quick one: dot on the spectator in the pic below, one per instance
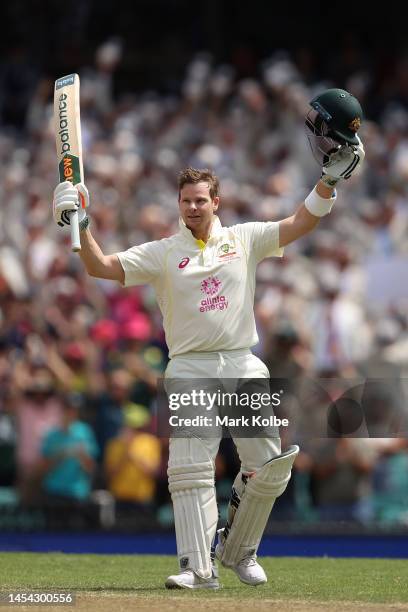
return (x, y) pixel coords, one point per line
(38, 410)
(68, 455)
(341, 474)
(133, 458)
(8, 444)
(316, 309)
(110, 404)
(390, 483)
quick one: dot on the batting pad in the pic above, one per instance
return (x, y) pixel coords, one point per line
(254, 509)
(191, 484)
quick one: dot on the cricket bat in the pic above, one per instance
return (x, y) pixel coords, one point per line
(67, 124)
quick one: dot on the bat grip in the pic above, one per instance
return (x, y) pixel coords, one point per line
(75, 239)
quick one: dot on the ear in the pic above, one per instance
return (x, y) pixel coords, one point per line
(216, 202)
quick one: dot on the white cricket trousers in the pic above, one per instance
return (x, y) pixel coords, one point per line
(241, 363)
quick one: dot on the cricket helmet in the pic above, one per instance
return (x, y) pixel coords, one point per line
(333, 121)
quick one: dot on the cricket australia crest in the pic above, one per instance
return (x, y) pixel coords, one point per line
(355, 124)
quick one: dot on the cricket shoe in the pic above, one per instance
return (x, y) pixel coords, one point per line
(189, 580)
(248, 570)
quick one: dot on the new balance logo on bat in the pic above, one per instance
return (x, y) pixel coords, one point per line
(63, 124)
(68, 171)
(69, 168)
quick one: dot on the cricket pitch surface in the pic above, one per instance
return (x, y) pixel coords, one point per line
(136, 582)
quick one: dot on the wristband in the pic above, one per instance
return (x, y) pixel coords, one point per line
(84, 223)
(318, 206)
(328, 180)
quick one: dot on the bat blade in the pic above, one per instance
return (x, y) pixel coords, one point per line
(67, 124)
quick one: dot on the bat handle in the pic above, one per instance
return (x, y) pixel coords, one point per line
(75, 239)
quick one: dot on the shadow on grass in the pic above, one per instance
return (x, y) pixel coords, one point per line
(224, 590)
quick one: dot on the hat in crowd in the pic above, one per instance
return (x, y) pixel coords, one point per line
(74, 351)
(137, 328)
(105, 332)
(136, 415)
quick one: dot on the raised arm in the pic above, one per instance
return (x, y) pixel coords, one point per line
(340, 165)
(303, 221)
(66, 199)
(96, 263)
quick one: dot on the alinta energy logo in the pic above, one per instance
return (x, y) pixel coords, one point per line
(211, 286)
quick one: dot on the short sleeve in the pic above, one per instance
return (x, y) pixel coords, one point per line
(48, 444)
(148, 448)
(142, 264)
(90, 442)
(260, 238)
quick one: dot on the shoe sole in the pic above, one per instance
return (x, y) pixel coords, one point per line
(176, 585)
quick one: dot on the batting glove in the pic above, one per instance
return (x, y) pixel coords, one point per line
(343, 163)
(69, 197)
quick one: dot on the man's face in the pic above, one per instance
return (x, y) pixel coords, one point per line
(196, 206)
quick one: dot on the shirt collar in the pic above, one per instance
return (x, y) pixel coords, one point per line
(215, 229)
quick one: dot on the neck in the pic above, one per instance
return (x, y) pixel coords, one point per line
(202, 233)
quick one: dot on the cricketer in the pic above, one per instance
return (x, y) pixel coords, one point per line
(204, 278)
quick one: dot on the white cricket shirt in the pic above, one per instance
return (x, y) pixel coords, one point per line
(205, 292)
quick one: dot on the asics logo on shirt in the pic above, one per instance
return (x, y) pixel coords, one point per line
(183, 262)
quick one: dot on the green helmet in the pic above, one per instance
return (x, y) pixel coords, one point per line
(341, 112)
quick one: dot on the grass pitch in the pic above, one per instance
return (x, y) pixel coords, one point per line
(126, 582)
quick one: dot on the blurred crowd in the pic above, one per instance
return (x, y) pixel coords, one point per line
(80, 358)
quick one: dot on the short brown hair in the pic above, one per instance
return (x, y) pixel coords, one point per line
(193, 176)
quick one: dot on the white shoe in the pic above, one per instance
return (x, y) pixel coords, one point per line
(189, 580)
(248, 570)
